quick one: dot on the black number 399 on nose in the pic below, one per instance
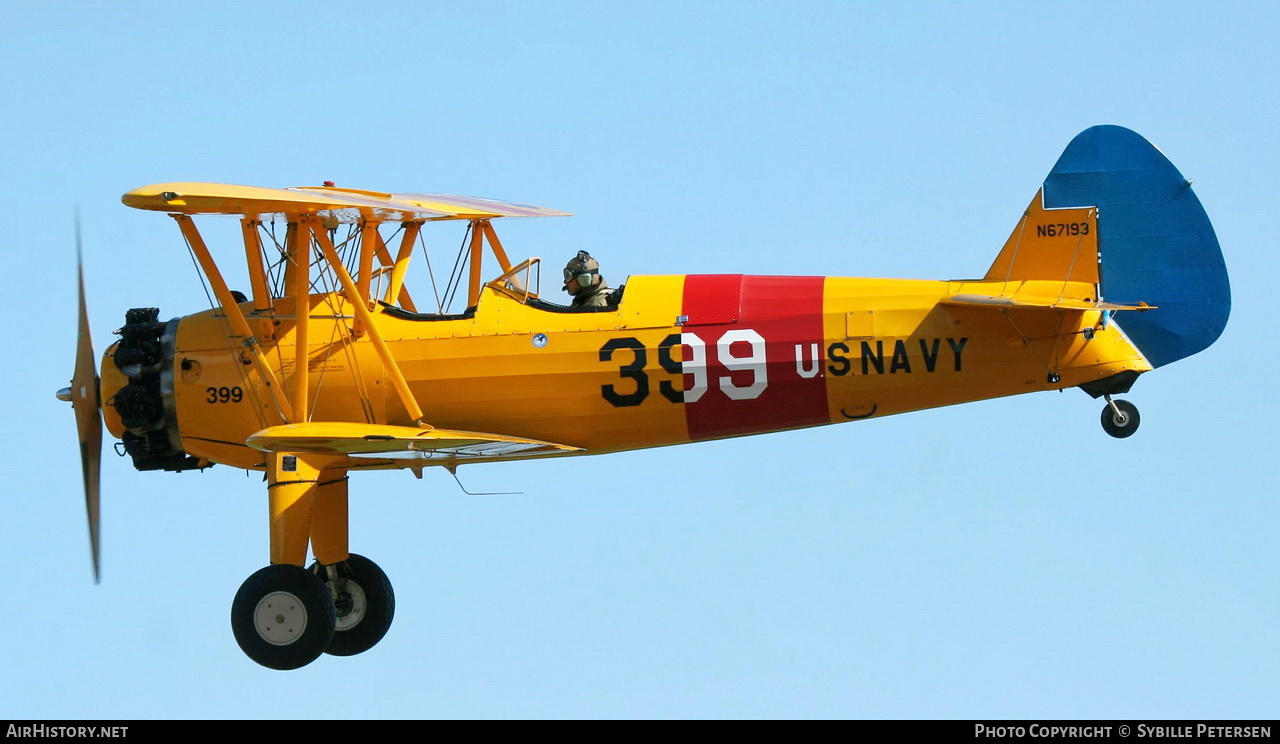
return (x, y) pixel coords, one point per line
(224, 394)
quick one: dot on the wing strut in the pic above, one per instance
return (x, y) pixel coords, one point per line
(262, 307)
(232, 311)
(313, 225)
(395, 288)
(298, 245)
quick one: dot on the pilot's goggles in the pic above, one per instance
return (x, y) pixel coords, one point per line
(571, 273)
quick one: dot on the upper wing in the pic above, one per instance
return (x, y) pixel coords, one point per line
(467, 206)
(345, 205)
(399, 442)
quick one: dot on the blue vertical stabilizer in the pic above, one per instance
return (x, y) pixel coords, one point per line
(1155, 241)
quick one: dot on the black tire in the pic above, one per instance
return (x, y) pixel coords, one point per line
(283, 617)
(1125, 423)
(365, 602)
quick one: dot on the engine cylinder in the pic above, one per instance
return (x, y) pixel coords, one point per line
(145, 404)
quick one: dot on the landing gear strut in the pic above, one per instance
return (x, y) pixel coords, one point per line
(1120, 418)
(285, 616)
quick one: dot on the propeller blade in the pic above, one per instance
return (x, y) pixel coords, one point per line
(84, 400)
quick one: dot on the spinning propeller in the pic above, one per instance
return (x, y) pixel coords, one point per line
(83, 396)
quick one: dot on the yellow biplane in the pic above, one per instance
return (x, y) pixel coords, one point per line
(331, 364)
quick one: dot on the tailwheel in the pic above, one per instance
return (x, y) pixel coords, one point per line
(1120, 418)
(283, 617)
(364, 602)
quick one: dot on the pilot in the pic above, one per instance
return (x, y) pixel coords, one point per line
(582, 280)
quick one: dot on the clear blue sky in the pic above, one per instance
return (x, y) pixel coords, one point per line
(1001, 559)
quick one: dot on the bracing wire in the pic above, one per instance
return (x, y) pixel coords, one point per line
(1013, 259)
(1075, 255)
(329, 285)
(426, 255)
(330, 293)
(459, 270)
(228, 334)
(349, 348)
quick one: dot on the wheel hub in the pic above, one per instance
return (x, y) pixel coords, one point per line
(351, 605)
(280, 618)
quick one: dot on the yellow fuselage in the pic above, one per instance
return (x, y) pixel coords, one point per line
(680, 359)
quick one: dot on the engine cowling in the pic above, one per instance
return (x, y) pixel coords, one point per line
(137, 393)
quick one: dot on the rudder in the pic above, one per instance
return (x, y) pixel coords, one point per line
(1155, 242)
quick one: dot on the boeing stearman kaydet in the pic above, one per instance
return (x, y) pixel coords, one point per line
(331, 363)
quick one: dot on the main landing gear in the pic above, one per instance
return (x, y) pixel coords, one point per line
(1120, 418)
(285, 616)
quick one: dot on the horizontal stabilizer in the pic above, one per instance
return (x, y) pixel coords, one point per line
(1064, 304)
(398, 442)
